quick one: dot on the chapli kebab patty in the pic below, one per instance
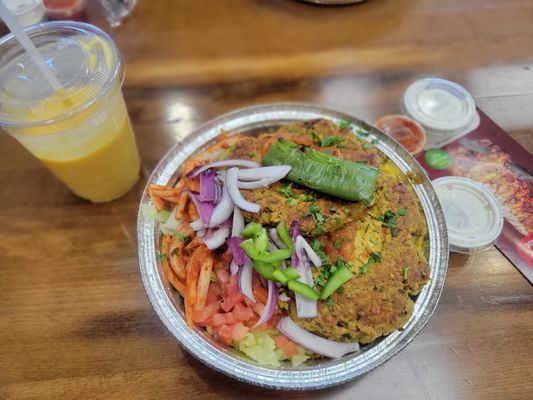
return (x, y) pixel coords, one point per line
(392, 232)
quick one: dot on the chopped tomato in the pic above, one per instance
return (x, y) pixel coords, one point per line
(205, 313)
(223, 319)
(222, 276)
(258, 308)
(238, 331)
(212, 294)
(290, 349)
(242, 313)
(224, 332)
(260, 294)
(230, 300)
(281, 340)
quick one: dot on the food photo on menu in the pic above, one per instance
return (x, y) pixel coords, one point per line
(247, 198)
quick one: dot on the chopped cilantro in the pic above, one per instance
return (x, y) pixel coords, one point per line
(330, 302)
(161, 256)
(405, 272)
(333, 209)
(337, 244)
(252, 154)
(184, 238)
(286, 190)
(291, 202)
(231, 149)
(373, 241)
(371, 144)
(316, 138)
(308, 196)
(340, 289)
(374, 258)
(346, 210)
(401, 211)
(362, 132)
(345, 124)
(338, 221)
(331, 141)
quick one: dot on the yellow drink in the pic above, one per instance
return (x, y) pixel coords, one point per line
(93, 153)
(83, 135)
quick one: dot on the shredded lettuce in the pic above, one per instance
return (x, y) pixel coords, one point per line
(149, 212)
(261, 347)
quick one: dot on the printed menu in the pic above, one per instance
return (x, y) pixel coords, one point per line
(491, 157)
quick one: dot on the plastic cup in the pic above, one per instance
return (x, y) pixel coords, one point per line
(83, 135)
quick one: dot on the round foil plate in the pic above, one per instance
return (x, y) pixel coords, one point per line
(316, 374)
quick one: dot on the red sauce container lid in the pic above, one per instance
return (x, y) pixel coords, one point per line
(405, 130)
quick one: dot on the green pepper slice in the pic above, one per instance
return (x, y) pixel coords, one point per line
(292, 273)
(339, 278)
(303, 289)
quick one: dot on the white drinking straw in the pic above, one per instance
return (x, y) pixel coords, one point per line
(30, 48)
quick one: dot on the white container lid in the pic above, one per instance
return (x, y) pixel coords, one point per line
(472, 213)
(26, 12)
(439, 105)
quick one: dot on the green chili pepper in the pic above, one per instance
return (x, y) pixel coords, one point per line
(292, 273)
(257, 234)
(323, 172)
(264, 269)
(275, 257)
(303, 289)
(339, 278)
(284, 234)
(280, 275)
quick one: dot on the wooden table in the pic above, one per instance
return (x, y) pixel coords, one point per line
(75, 322)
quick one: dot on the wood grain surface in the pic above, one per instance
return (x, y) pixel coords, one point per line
(75, 322)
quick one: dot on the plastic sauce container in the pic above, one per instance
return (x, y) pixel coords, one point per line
(65, 9)
(442, 107)
(83, 135)
(473, 215)
(26, 12)
(405, 130)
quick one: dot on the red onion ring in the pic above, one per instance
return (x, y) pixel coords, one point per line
(233, 190)
(314, 343)
(270, 305)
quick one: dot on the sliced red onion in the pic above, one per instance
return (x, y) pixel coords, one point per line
(256, 184)
(302, 245)
(305, 307)
(224, 163)
(239, 255)
(254, 174)
(223, 209)
(283, 297)
(201, 233)
(238, 222)
(204, 208)
(276, 239)
(314, 343)
(294, 230)
(171, 224)
(197, 225)
(207, 186)
(245, 280)
(270, 305)
(233, 267)
(233, 190)
(215, 238)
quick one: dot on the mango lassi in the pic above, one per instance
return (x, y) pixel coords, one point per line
(83, 135)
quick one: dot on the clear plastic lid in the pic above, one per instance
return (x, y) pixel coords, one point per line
(473, 215)
(84, 59)
(438, 104)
